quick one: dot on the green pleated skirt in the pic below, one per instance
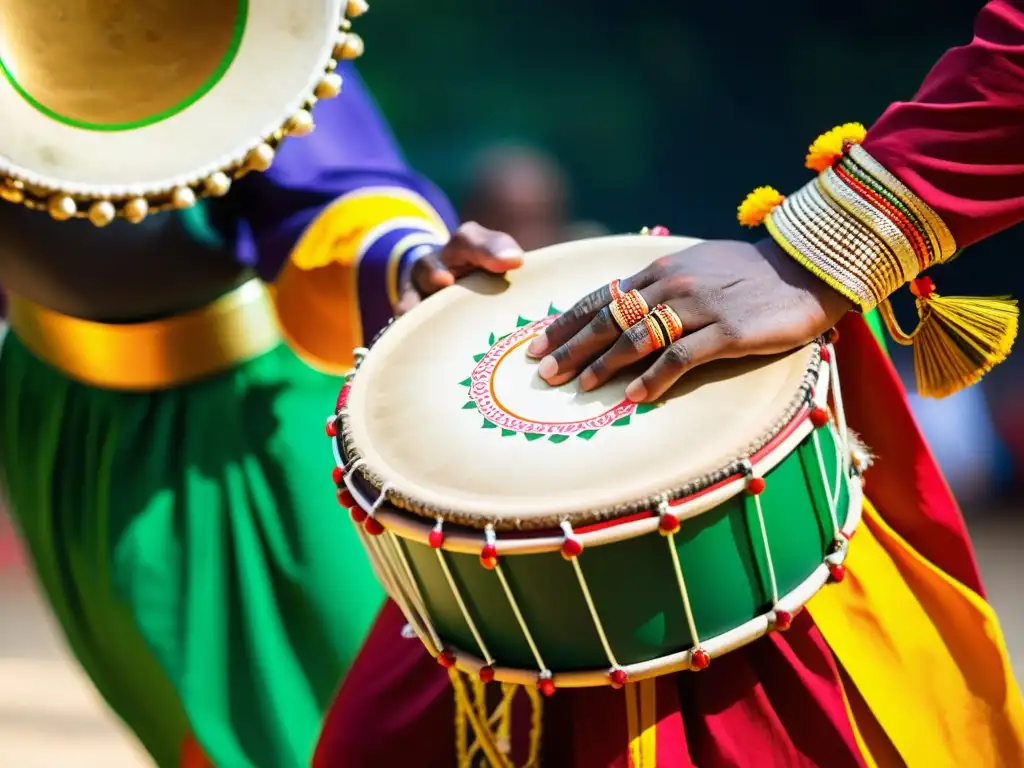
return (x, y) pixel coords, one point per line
(190, 545)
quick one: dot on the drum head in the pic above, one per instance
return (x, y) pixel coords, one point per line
(121, 98)
(450, 413)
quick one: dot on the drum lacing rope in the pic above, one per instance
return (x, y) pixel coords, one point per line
(545, 673)
(486, 654)
(824, 480)
(663, 509)
(574, 559)
(837, 398)
(413, 589)
(748, 472)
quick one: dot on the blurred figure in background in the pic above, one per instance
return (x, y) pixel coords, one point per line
(524, 192)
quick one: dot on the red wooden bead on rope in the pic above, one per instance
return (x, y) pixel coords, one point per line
(546, 686)
(819, 417)
(837, 572)
(571, 548)
(332, 426)
(700, 659)
(826, 356)
(660, 231)
(755, 486)
(373, 526)
(446, 659)
(346, 499)
(337, 474)
(436, 537)
(486, 674)
(668, 524)
(618, 677)
(358, 514)
(489, 557)
(783, 620)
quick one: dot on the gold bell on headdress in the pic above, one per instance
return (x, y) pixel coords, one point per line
(62, 207)
(329, 87)
(301, 123)
(260, 158)
(183, 197)
(349, 46)
(102, 212)
(136, 210)
(11, 192)
(217, 185)
(356, 8)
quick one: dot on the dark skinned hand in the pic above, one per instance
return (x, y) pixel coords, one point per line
(734, 299)
(472, 247)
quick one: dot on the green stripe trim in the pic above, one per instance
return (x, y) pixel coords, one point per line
(241, 22)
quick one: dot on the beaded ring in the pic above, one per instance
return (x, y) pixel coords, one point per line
(615, 290)
(628, 310)
(669, 322)
(656, 332)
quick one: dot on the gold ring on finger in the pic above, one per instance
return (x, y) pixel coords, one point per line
(669, 321)
(628, 310)
(655, 333)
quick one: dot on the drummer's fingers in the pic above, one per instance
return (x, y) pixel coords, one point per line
(635, 344)
(566, 360)
(570, 322)
(478, 247)
(697, 348)
(429, 274)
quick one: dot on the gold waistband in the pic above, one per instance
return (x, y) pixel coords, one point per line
(156, 355)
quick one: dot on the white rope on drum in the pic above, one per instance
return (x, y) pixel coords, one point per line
(414, 593)
(773, 583)
(824, 480)
(514, 605)
(681, 582)
(486, 654)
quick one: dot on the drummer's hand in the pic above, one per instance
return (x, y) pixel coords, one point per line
(472, 247)
(734, 299)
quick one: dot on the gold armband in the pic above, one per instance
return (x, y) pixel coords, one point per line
(865, 234)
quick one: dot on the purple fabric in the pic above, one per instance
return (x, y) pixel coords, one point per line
(374, 303)
(351, 148)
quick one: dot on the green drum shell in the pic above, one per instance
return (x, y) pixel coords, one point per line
(633, 583)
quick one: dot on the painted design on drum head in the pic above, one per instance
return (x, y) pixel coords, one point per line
(488, 401)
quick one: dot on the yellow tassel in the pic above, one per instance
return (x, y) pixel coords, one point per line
(757, 205)
(958, 339)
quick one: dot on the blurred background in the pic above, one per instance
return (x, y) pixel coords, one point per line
(562, 120)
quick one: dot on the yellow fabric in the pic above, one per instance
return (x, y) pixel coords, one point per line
(160, 354)
(317, 293)
(875, 747)
(642, 723)
(925, 654)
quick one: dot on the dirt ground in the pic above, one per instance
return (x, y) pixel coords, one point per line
(50, 717)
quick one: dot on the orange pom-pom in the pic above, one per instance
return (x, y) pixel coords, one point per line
(830, 146)
(757, 205)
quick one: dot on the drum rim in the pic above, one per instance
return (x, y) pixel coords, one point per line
(814, 386)
(101, 203)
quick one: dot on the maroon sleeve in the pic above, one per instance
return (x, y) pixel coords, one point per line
(959, 144)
